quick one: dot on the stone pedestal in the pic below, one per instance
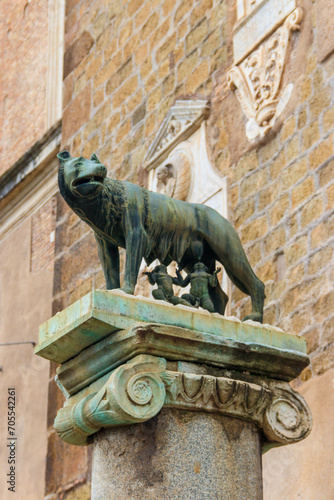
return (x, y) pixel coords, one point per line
(178, 454)
(178, 402)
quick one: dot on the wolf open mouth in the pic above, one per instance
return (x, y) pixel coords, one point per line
(87, 179)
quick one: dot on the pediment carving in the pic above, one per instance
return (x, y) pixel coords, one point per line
(182, 120)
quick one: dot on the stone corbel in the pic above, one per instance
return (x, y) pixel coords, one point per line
(257, 79)
(139, 389)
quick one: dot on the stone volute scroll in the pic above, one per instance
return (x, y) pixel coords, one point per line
(260, 43)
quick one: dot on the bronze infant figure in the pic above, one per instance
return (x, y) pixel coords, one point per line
(159, 276)
(154, 226)
(200, 283)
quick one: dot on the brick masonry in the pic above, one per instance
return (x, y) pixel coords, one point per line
(126, 62)
(23, 41)
(43, 225)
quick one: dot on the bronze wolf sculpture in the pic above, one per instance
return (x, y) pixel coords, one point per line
(153, 226)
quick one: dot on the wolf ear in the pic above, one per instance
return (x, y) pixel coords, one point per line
(94, 158)
(64, 155)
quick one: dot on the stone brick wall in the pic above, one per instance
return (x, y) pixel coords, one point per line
(24, 44)
(281, 195)
(126, 62)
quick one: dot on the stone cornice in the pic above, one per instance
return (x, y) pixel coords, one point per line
(36, 157)
(137, 325)
(31, 182)
(177, 343)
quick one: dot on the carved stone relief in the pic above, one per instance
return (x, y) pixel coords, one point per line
(174, 175)
(136, 392)
(178, 161)
(256, 77)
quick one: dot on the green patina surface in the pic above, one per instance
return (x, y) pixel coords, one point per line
(174, 343)
(100, 313)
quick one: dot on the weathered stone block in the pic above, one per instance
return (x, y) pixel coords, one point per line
(310, 135)
(326, 174)
(302, 192)
(277, 165)
(107, 70)
(197, 35)
(288, 128)
(293, 174)
(198, 77)
(150, 25)
(186, 66)
(77, 114)
(54, 463)
(243, 211)
(325, 28)
(253, 182)
(81, 492)
(312, 211)
(125, 91)
(319, 102)
(328, 119)
(330, 197)
(292, 148)
(167, 48)
(77, 52)
(99, 313)
(255, 229)
(275, 240)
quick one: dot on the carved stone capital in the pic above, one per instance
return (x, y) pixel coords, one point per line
(280, 412)
(137, 391)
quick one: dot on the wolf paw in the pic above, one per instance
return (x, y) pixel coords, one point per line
(256, 316)
(128, 289)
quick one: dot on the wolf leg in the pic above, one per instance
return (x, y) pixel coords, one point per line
(109, 258)
(231, 255)
(135, 249)
(245, 279)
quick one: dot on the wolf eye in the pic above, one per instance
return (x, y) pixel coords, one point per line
(77, 165)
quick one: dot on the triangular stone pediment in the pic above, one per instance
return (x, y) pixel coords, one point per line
(182, 120)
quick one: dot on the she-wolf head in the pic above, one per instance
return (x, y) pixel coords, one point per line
(83, 178)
